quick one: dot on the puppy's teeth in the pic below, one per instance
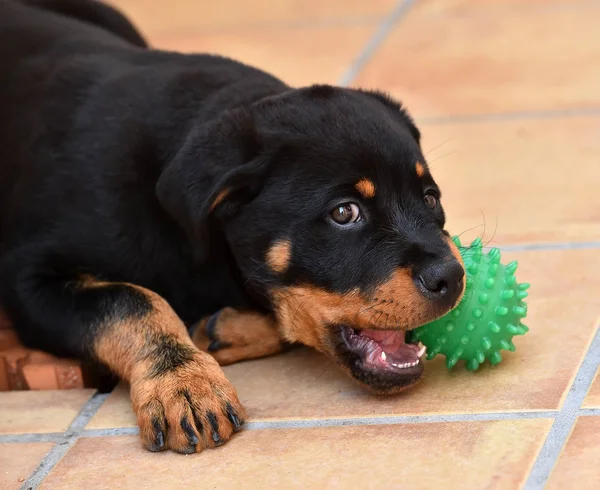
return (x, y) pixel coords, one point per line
(421, 351)
(383, 356)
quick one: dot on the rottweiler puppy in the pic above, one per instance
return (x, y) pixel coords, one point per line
(163, 213)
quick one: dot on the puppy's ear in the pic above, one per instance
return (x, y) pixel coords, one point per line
(218, 168)
(398, 109)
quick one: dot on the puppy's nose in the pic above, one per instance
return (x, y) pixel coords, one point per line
(442, 281)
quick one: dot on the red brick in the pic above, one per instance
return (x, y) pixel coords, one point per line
(4, 384)
(8, 339)
(40, 376)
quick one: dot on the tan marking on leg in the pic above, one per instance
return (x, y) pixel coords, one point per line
(244, 335)
(278, 256)
(420, 168)
(180, 395)
(366, 187)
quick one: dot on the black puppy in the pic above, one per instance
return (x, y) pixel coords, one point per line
(144, 192)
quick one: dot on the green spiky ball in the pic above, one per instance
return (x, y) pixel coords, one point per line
(487, 318)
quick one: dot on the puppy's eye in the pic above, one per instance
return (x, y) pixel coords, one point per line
(430, 201)
(346, 213)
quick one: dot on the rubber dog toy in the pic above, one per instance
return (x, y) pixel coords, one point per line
(486, 319)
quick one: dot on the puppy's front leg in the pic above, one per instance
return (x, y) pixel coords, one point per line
(180, 395)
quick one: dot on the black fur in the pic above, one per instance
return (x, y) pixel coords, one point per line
(112, 156)
(167, 354)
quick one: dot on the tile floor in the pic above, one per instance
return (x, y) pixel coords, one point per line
(507, 94)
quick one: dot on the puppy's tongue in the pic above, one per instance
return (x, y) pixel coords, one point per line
(389, 340)
(393, 344)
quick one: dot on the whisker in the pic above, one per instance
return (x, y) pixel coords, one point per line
(436, 147)
(431, 162)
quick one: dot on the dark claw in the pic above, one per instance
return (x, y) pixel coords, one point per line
(237, 424)
(189, 431)
(187, 450)
(159, 437)
(216, 437)
(211, 326)
(211, 333)
(197, 421)
(216, 345)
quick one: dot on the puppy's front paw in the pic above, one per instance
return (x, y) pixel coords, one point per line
(188, 408)
(231, 335)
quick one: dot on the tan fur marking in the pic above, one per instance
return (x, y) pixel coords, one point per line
(366, 188)
(420, 169)
(304, 312)
(219, 199)
(278, 256)
(246, 334)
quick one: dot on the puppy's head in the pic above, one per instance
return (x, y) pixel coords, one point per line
(333, 217)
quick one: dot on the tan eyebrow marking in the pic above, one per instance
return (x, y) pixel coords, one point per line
(366, 188)
(278, 256)
(420, 169)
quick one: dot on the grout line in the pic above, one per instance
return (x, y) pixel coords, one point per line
(64, 444)
(510, 116)
(380, 35)
(356, 421)
(399, 419)
(40, 437)
(86, 414)
(116, 431)
(565, 420)
(587, 412)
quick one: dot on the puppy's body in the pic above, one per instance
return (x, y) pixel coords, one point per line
(144, 192)
(88, 123)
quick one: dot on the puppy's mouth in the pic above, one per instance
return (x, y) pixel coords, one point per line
(385, 360)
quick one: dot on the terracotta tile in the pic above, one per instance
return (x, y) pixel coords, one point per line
(297, 56)
(482, 454)
(196, 17)
(531, 180)
(19, 460)
(517, 61)
(304, 384)
(40, 411)
(116, 411)
(578, 465)
(593, 397)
